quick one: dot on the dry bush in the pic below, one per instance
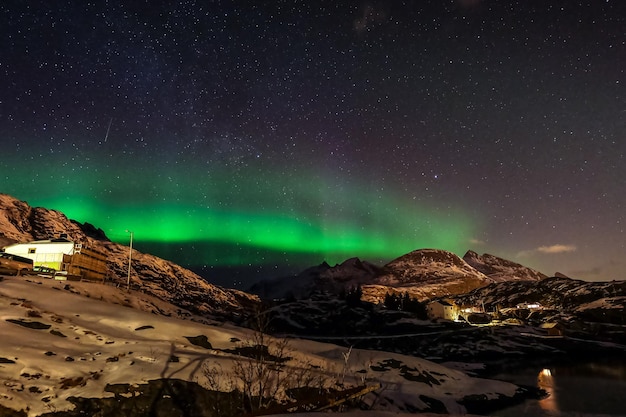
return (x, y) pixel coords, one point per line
(265, 375)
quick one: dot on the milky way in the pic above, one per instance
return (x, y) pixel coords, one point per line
(269, 138)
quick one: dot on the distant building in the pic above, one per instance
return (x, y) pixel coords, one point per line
(71, 258)
(442, 309)
(553, 328)
(529, 306)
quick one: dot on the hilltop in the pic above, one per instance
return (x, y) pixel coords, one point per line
(19, 222)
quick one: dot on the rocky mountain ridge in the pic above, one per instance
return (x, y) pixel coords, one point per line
(19, 222)
(322, 277)
(499, 269)
(423, 273)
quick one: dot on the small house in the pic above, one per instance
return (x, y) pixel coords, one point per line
(74, 259)
(442, 309)
(553, 328)
(529, 306)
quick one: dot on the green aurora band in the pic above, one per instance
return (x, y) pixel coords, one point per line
(306, 215)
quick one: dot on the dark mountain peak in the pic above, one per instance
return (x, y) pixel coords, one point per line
(352, 266)
(299, 286)
(349, 273)
(315, 270)
(349, 262)
(92, 231)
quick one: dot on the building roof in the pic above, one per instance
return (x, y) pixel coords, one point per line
(551, 325)
(444, 303)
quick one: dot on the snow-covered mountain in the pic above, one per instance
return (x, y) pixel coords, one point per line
(499, 269)
(426, 265)
(423, 273)
(19, 222)
(430, 273)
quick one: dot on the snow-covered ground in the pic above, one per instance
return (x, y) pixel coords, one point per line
(62, 339)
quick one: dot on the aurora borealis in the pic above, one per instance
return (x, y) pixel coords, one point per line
(269, 222)
(249, 140)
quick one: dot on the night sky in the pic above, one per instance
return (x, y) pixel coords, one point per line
(248, 141)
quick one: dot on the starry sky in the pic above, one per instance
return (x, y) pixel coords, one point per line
(248, 141)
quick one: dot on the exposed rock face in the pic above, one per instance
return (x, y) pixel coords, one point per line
(21, 223)
(499, 269)
(164, 279)
(426, 265)
(429, 273)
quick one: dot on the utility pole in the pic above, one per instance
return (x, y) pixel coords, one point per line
(130, 259)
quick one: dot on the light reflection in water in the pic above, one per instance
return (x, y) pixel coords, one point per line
(545, 381)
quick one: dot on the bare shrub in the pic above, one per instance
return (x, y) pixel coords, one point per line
(261, 372)
(222, 382)
(265, 375)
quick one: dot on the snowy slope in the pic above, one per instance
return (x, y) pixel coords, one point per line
(499, 269)
(58, 344)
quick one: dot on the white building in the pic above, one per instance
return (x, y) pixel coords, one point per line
(529, 306)
(63, 255)
(442, 309)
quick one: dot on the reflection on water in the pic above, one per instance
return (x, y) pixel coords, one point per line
(546, 382)
(583, 389)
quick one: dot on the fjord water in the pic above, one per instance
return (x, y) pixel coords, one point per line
(593, 387)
